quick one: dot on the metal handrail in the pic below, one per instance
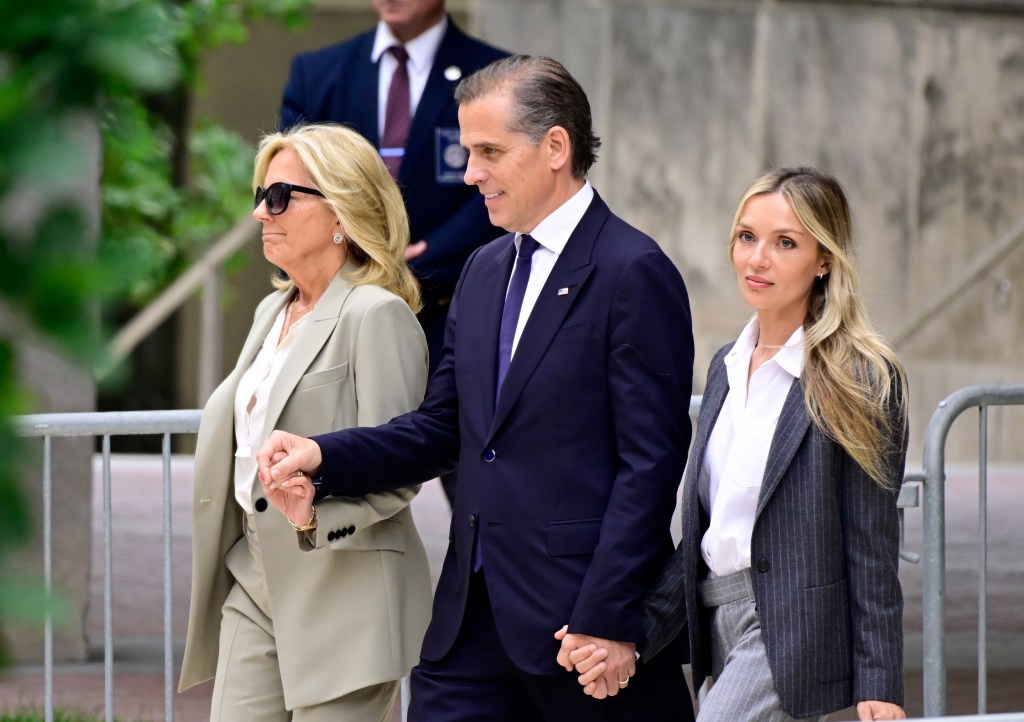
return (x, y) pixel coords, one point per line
(954, 287)
(205, 272)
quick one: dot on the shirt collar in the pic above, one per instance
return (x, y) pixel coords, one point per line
(790, 357)
(421, 49)
(553, 232)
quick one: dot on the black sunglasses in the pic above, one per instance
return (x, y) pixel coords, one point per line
(278, 194)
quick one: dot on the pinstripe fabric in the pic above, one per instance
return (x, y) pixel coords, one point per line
(824, 554)
(744, 687)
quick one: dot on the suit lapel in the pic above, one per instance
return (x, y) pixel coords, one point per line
(310, 339)
(438, 93)
(715, 391)
(570, 271)
(789, 434)
(363, 101)
(260, 328)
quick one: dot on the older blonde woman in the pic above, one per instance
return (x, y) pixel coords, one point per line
(323, 629)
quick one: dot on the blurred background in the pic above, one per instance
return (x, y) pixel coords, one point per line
(131, 267)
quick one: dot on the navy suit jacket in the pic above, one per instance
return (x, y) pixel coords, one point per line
(339, 84)
(824, 553)
(569, 477)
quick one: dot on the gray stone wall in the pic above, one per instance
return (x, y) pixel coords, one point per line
(918, 108)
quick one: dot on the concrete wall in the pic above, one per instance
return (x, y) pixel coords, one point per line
(917, 107)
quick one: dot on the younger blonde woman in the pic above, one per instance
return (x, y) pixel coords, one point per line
(786, 572)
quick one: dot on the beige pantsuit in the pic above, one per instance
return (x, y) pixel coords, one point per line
(336, 625)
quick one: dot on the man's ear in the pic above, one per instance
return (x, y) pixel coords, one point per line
(559, 149)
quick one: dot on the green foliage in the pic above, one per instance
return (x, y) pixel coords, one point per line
(93, 208)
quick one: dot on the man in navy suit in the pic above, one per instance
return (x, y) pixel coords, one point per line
(563, 394)
(348, 83)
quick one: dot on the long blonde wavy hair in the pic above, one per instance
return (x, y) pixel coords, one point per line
(852, 377)
(363, 195)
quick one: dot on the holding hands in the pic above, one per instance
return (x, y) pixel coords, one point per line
(605, 666)
(285, 462)
(873, 709)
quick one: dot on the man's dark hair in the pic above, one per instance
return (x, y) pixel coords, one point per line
(544, 95)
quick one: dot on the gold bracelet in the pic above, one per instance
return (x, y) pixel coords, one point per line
(308, 526)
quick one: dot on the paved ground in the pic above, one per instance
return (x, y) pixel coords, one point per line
(138, 623)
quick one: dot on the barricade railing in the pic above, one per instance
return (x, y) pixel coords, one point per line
(105, 425)
(934, 536)
(168, 423)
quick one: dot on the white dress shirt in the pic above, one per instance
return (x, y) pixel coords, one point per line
(552, 234)
(737, 450)
(421, 49)
(251, 403)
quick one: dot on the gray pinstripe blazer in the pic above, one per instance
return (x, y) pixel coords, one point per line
(824, 553)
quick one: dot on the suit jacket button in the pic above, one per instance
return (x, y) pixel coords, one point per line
(343, 532)
(352, 529)
(261, 505)
(331, 536)
(472, 521)
(489, 455)
(762, 566)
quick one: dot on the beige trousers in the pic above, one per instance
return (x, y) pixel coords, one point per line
(248, 687)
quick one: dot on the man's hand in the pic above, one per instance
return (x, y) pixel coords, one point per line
(415, 250)
(283, 454)
(293, 497)
(605, 666)
(873, 709)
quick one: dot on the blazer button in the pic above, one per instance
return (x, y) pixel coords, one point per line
(352, 529)
(261, 505)
(472, 521)
(343, 532)
(331, 536)
(489, 455)
(763, 565)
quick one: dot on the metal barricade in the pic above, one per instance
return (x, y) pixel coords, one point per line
(932, 480)
(106, 425)
(934, 532)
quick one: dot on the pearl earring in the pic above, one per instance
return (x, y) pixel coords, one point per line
(339, 238)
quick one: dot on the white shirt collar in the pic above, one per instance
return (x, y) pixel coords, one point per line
(790, 357)
(553, 232)
(421, 49)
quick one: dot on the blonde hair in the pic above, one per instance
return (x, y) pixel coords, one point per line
(363, 195)
(852, 378)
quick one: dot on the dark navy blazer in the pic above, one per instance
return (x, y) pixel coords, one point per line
(824, 554)
(569, 477)
(339, 84)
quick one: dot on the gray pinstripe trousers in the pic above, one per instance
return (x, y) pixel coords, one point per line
(743, 687)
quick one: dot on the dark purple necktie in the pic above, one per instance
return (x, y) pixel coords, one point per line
(397, 117)
(514, 304)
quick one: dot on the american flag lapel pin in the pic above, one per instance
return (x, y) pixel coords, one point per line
(563, 291)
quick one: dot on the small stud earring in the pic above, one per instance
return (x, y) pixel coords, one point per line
(820, 275)
(339, 238)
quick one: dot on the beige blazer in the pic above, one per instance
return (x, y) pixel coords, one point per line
(350, 612)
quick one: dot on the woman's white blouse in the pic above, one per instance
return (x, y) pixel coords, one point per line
(251, 404)
(737, 451)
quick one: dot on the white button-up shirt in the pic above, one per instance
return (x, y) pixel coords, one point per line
(737, 451)
(251, 403)
(551, 234)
